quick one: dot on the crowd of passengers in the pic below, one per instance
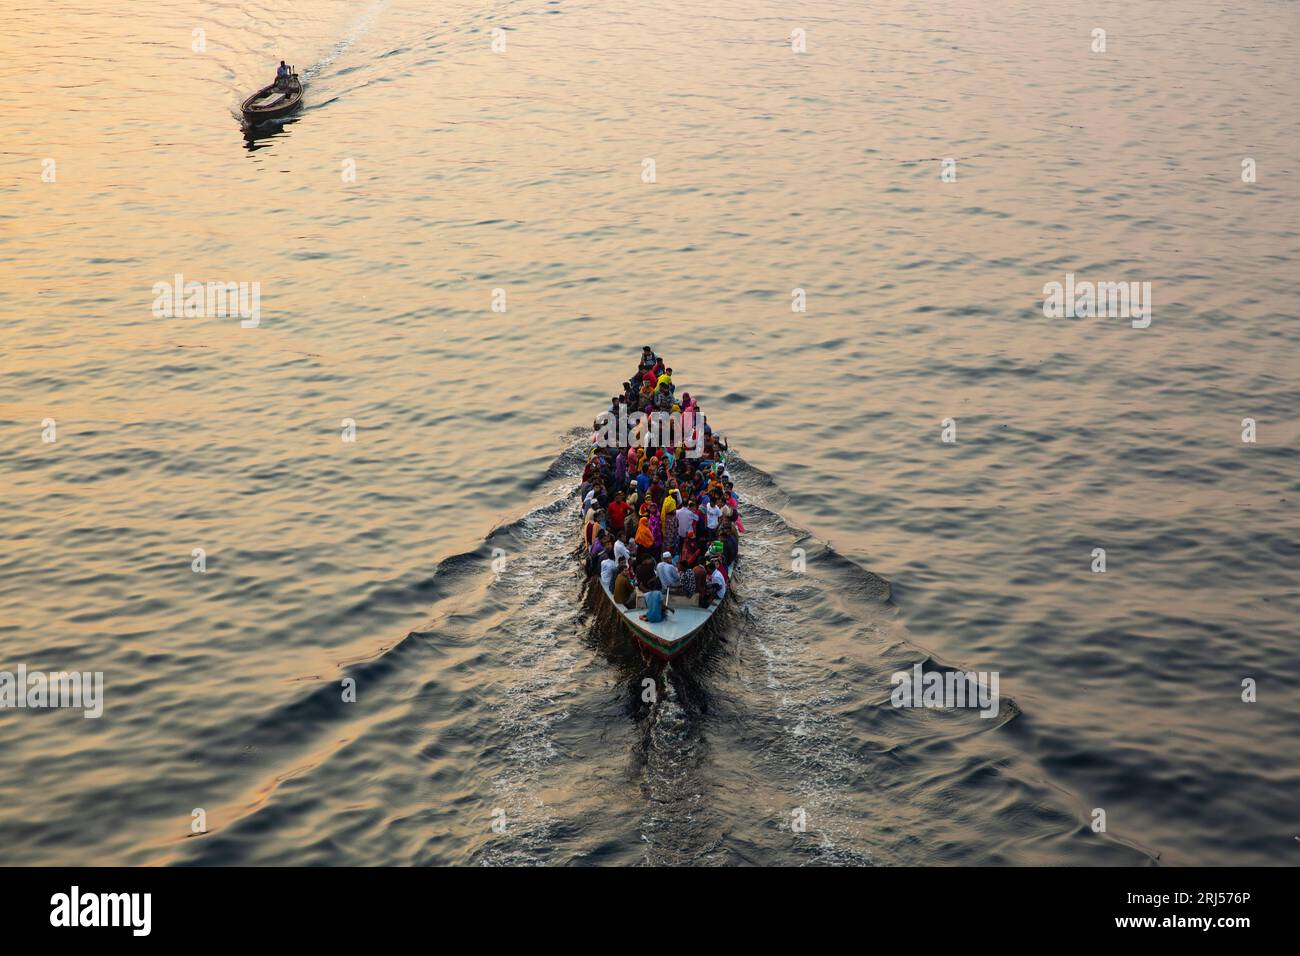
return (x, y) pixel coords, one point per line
(659, 521)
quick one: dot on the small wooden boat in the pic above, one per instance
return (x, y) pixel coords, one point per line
(275, 101)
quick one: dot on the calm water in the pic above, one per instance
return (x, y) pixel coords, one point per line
(428, 171)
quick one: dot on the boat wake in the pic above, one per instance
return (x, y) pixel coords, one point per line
(523, 726)
(365, 20)
(529, 708)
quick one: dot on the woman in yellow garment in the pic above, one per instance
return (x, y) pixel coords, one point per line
(669, 506)
(668, 521)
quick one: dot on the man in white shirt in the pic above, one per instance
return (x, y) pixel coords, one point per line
(668, 574)
(713, 514)
(621, 551)
(686, 518)
(718, 582)
(608, 568)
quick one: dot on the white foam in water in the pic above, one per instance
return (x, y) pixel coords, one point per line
(531, 706)
(825, 768)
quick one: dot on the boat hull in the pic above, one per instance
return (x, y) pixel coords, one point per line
(273, 102)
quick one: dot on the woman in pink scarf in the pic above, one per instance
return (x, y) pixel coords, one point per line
(735, 514)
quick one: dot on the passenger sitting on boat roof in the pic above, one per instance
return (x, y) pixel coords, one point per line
(730, 546)
(701, 575)
(601, 549)
(654, 606)
(631, 522)
(621, 551)
(592, 527)
(645, 539)
(691, 550)
(624, 592)
(656, 528)
(686, 518)
(646, 579)
(667, 572)
(687, 574)
(617, 510)
(668, 521)
(717, 582)
(608, 568)
(712, 515)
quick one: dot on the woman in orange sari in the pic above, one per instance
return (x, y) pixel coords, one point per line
(645, 538)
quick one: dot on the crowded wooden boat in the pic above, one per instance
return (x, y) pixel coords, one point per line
(661, 521)
(277, 100)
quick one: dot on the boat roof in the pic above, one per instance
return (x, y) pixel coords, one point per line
(685, 619)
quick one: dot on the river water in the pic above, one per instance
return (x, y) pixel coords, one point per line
(433, 181)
